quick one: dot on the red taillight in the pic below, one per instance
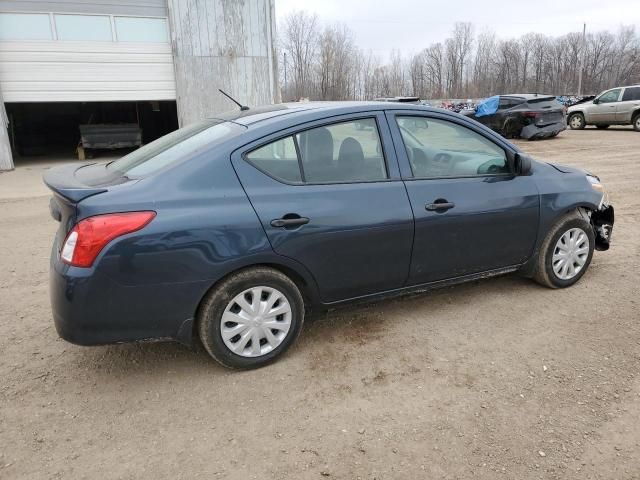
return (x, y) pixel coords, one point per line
(532, 114)
(89, 236)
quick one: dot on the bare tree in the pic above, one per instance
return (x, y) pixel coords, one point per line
(325, 63)
(299, 34)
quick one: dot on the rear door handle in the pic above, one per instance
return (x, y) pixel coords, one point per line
(439, 206)
(289, 222)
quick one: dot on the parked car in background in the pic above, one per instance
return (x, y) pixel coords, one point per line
(617, 106)
(529, 116)
(400, 99)
(230, 229)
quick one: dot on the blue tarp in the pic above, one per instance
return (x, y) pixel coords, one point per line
(488, 106)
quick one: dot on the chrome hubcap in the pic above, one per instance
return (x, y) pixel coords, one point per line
(256, 321)
(638, 122)
(576, 121)
(570, 254)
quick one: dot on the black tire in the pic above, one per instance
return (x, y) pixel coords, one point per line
(636, 122)
(602, 127)
(578, 120)
(544, 273)
(217, 300)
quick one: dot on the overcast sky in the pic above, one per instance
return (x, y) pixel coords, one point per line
(410, 25)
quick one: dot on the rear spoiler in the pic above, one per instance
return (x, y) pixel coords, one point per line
(62, 181)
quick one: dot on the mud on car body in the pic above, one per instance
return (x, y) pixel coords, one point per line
(230, 229)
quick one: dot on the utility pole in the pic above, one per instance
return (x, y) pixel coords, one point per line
(285, 74)
(582, 53)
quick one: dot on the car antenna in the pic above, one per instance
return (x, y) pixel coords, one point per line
(242, 107)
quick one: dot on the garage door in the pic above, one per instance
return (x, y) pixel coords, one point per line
(50, 57)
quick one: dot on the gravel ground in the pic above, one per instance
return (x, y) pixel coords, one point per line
(494, 379)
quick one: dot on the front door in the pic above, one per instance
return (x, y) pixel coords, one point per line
(331, 197)
(472, 214)
(605, 110)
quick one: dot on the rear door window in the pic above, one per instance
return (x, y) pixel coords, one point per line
(342, 152)
(278, 159)
(337, 153)
(631, 93)
(507, 103)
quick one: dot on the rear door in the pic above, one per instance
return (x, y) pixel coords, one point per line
(329, 195)
(472, 214)
(605, 110)
(630, 103)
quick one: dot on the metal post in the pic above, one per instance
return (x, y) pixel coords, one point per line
(285, 73)
(6, 159)
(582, 54)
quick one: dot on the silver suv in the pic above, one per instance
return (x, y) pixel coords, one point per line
(618, 106)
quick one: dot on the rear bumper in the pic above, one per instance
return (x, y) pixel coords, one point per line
(531, 132)
(90, 308)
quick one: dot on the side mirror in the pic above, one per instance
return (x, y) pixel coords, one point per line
(522, 164)
(596, 101)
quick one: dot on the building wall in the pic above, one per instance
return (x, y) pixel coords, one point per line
(227, 44)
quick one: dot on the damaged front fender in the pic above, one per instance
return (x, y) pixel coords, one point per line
(602, 222)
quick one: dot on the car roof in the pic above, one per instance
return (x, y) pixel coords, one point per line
(291, 110)
(526, 96)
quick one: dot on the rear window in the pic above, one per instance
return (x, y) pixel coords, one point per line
(174, 147)
(544, 103)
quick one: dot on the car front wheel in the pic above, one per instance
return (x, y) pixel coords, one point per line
(251, 318)
(576, 121)
(566, 252)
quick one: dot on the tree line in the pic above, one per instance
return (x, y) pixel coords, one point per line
(323, 62)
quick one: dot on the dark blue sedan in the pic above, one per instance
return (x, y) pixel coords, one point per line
(231, 228)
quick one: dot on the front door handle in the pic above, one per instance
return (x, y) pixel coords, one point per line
(289, 222)
(440, 205)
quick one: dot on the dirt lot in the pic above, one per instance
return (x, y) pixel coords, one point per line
(495, 379)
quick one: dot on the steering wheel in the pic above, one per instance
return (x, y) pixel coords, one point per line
(490, 167)
(442, 158)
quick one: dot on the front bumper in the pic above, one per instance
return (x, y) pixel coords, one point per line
(532, 132)
(602, 221)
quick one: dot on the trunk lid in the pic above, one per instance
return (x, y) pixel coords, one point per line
(71, 184)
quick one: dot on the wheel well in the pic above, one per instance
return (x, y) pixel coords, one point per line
(295, 277)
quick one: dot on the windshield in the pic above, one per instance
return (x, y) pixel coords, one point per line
(174, 147)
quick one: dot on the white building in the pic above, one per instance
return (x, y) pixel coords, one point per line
(155, 63)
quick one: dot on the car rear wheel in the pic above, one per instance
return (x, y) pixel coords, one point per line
(576, 121)
(602, 127)
(566, 252)
(251, 318)
(636, 123)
